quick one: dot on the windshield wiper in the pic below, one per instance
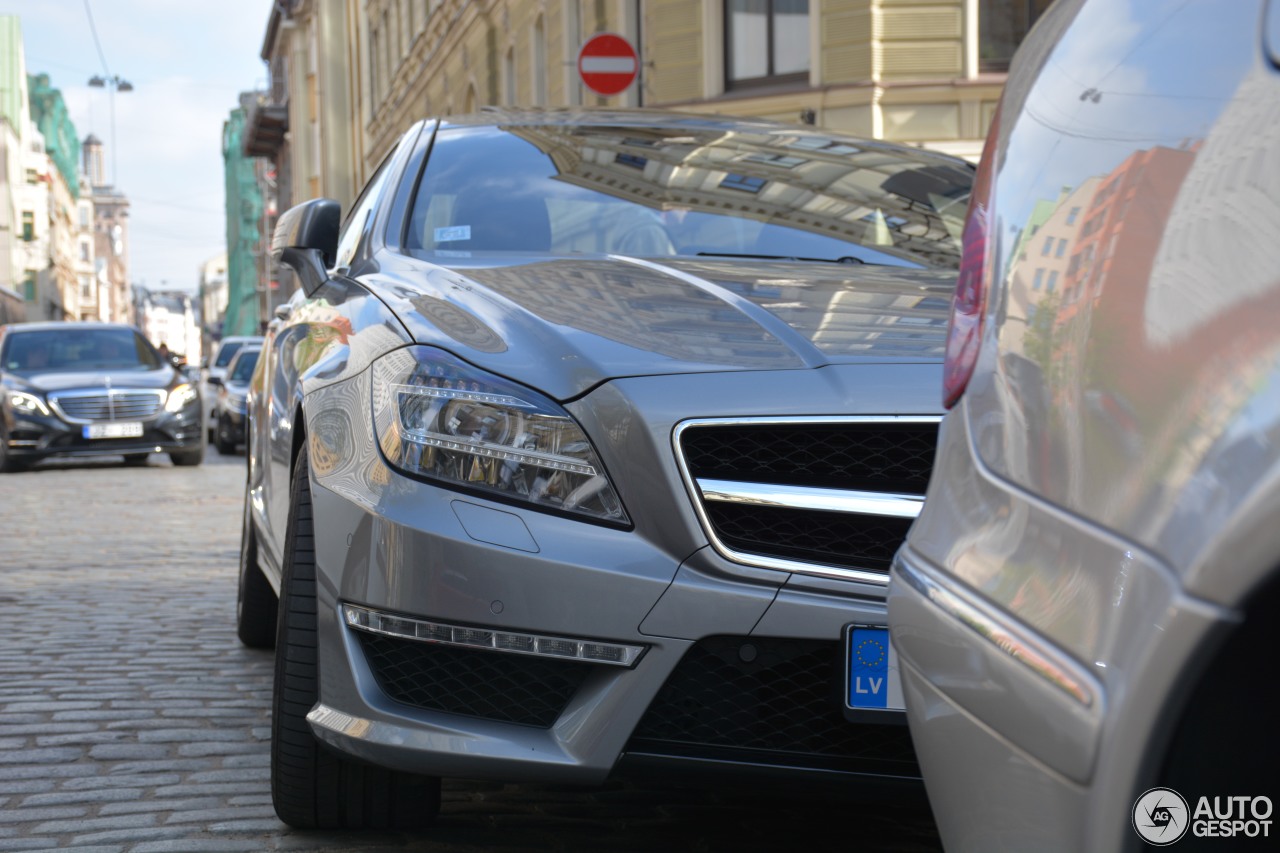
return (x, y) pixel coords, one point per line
(847, 259)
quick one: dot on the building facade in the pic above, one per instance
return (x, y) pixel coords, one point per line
(110, 236)
(171, 318)
(349, 76)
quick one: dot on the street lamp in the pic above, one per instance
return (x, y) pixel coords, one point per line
(113, 84)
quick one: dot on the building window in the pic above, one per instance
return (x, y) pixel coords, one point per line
(766, 41)
(84, 250)
(28, 226)
(1039, 282)
(1071, 217)
(1053, 281)
(1062, 248)
(746, 183)
(33, 177)
(86, 288)
(1002, 25)
(29, 287)
(1048, 245)
(84, 216)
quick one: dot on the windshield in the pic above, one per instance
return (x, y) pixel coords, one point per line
(226, 352)
(74, 349)
(242, 372)
(759, 194)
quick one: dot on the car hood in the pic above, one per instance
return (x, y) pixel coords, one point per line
(67, 381)
(594, 318)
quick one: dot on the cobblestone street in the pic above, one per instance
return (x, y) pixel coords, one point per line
(131, 719)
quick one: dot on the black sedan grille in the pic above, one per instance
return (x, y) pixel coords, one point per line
(768, 700)
(108, 405)
(755, 481)
(523, 689)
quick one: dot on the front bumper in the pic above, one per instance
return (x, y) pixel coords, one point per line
(753, 678)
(741, 664)
(33, 436)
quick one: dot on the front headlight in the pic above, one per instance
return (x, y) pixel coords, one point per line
(181, 396)
(30, 403)
(438, 417)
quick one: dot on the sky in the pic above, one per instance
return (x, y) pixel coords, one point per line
(187, 62)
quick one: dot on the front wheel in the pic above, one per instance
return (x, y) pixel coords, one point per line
(222, 441)
(311, 786)
(186, 458)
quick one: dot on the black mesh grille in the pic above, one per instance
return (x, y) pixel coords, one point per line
(510, 688)
(830, 538)
(775, 699)
(881, 457)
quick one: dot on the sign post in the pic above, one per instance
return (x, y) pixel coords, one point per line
(608, 64)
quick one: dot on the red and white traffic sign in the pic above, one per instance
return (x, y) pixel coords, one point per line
(607, 64)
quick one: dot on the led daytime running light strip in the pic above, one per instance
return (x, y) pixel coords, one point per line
(461, 394)
(406, 628)
(498, 451)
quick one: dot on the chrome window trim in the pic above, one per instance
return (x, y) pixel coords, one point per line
(110, 393)
(697, 497)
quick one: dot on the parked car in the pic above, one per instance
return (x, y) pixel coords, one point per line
(230, 412)
(92, 389)
(585, 447)
(1086, 610)
(216, 369)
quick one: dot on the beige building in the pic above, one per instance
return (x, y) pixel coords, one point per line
(352, 75)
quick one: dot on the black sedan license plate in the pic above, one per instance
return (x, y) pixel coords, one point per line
(117, 429)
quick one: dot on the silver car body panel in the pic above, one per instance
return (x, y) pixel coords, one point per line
(1105, 492)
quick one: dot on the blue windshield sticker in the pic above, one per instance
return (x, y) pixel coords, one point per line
(452, 233)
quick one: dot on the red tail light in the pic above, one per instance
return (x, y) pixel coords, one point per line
(964, 336)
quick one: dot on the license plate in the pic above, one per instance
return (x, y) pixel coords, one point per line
(872, 681)
(119, 429)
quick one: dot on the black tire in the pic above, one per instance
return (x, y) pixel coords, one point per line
(311, 786)
(8, 465)
(136, 460)
(256, 602)
(187, 458)
(224, 446)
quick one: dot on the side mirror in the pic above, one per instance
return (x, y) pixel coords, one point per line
(306, 238)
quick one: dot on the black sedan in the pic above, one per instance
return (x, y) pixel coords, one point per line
(230, 412)
(92, 389)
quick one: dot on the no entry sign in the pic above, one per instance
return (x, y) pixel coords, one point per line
(607, 64)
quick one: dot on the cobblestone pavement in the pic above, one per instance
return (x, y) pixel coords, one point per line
(131, 719)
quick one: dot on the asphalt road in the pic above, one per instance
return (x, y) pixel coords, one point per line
(131, 719)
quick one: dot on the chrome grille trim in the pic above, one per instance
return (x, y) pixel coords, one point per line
(808, 497)
(796, 497)
(107, 404)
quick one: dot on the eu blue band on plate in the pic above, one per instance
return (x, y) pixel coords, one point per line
(869, 668)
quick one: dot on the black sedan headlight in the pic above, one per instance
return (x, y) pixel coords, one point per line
(26, 403)
(440, 418)
(181, 396)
